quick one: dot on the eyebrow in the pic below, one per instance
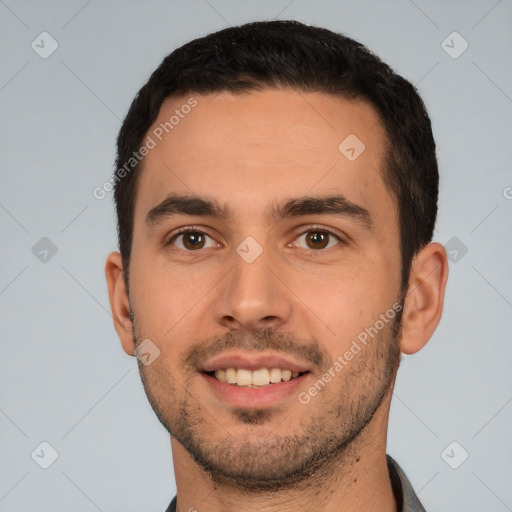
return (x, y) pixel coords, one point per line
(338, 205)
(175, 204)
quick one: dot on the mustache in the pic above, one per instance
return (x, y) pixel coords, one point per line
(264, 339)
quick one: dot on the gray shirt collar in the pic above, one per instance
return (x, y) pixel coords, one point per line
(406, 498)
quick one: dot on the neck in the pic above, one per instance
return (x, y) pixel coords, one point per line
(358, 479)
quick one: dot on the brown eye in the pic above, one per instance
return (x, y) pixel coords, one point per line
(193, 241)
(316, 240)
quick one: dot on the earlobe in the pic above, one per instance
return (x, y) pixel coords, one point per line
(425, 296)
(119, 301)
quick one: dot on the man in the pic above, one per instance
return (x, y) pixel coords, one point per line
(276, 193)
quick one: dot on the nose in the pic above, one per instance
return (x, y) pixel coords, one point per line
(253, 296)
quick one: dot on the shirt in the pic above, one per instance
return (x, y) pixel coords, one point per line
(406, 499)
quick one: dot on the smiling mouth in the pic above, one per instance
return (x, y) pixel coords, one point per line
(243, 377)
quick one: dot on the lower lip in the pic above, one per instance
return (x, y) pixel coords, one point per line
(252, 398)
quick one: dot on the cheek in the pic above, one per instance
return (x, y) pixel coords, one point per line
(347, 300)
(167, 298)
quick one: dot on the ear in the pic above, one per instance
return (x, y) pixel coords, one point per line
(119, 301)
(425, 296)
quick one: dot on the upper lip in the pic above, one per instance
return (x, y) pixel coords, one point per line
(252, 361)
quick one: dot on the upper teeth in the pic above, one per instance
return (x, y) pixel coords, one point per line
(261, 377)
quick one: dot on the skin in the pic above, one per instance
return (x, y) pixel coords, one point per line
(248, 153)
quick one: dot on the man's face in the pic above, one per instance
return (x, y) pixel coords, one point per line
(268, 246)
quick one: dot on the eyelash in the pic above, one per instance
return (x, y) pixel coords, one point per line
(184, 231)
(322, 229)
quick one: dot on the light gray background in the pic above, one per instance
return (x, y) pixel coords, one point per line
(64, 378)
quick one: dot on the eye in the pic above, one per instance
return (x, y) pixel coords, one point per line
(192, 240)
(316, 239)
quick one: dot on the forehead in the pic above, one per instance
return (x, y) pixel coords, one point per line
(247, 148)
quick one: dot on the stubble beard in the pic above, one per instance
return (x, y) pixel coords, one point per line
(264, 460)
